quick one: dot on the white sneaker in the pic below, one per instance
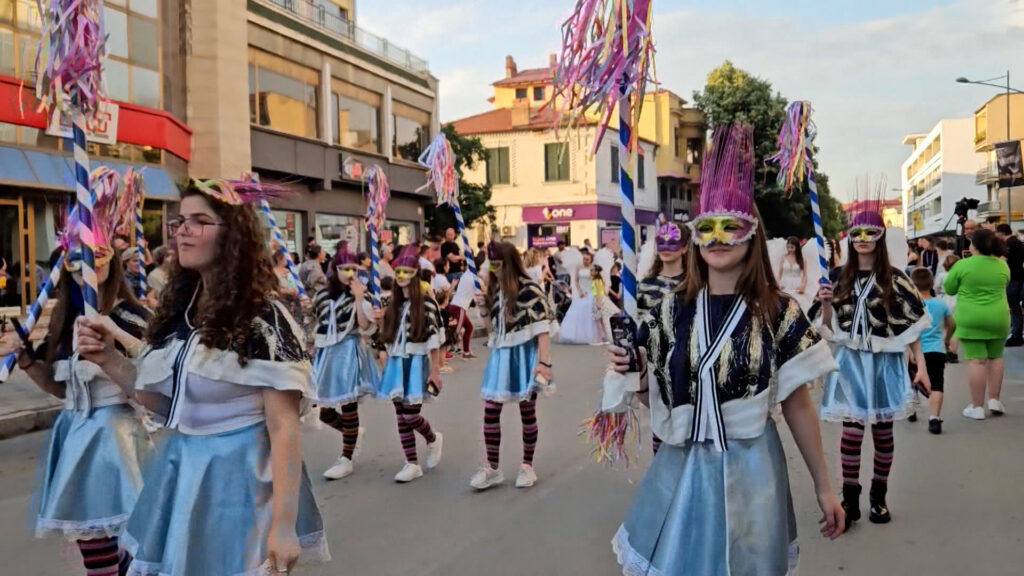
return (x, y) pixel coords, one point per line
(996, 407)
(974, 412)
(359, 443)
(527, 477)
(434, 451)
(409, 472)
(341, 469)
(486, 477)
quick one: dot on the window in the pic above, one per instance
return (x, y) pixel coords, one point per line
(355, 117)
(412, 131)
(694, 147)
(615, 164)
(538, 93)
(520, 93)
(640, 172)
(331, 229)
(283, 95)
(556, 162)
(498, 166)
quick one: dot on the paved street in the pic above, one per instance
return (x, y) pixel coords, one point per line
(956, 499)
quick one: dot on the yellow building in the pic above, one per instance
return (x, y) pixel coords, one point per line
(991, 127)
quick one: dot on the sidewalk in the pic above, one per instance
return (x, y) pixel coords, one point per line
(24, 407)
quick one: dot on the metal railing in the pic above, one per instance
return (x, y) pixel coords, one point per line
(986, 208)
(318, 15)
(987, 174)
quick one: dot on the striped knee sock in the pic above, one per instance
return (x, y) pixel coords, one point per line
(331, 417)
(101, 556)
(406, 435)
(492, 431)
(849, 450)
(419, 423)
(528, 412)
(349, 429)
(881, 435)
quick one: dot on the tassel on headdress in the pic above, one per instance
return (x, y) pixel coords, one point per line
(727, 174)
(408, 257)
(866, 209)
(342, 255)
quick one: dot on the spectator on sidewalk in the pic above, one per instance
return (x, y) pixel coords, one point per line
(934, 343)
(928, 256)
(311, 272)
(164, 257)
(133, 273)
(1015, 289)
(982, 318)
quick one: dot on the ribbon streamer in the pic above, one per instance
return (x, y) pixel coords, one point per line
(377, 195)
(130, 216)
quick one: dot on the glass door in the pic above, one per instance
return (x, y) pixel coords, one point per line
(15, 285)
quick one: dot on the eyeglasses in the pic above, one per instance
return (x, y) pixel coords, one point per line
(865, 234)
(191, 226)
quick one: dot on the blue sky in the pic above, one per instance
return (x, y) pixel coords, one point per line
(875, 70)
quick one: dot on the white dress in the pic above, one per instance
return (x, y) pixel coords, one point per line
(790, 278)
(579, 325)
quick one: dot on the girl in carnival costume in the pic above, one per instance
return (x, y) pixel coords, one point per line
(90, 473)
(873, 315)
(579, 326)
(345, 369)
(716, 498)
(519, 363)
(227, 492)
(413, 333)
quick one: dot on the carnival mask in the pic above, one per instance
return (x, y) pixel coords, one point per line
(729, 230)
(669, 238)
(865, 234)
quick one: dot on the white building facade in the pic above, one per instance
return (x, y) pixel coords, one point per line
(940, 171)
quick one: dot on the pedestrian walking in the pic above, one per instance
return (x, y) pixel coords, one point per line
(873, 315)
(413, 334)
(225, 370)
(982, 319)
(1015, 288)
(934, 344)
(711, 402)
(345, 369)
(90, 475)
(519, 364)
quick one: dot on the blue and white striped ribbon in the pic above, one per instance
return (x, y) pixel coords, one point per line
(140, 237)
(86, 199)
(467, 251)
(281, 246)
(819, 231)
(627, 226)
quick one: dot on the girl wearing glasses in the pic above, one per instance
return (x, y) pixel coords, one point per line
(344, 369)
(412, 333)
(519, 363)
(226, 373)
(90, 474)
(715, 499)
(872, 315)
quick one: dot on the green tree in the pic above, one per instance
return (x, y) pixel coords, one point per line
(731, 94)
(474, 199)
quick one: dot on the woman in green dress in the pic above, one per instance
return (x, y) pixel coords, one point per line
(982, 318)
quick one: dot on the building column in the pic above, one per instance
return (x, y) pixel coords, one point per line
(389, 124)
(326, 114)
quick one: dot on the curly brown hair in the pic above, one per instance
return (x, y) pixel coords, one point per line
(246, 285)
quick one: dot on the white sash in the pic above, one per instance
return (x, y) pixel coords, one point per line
(708, 423)
(860, 326)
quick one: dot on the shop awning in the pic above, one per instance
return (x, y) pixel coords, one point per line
(37, 169)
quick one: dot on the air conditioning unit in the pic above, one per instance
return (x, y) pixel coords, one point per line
(508, 231)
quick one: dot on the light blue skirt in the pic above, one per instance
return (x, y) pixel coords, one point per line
(90, 474)
(868, 387)
(405, 379)
(206, 508)
(702, 512)
(344, 372)
(508, 376)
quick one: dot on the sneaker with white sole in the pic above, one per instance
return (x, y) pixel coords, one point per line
(340, 469)
(486, 477)
(434, 451)
(359, 443)
(974, 412)
(996, 407)
(409, 472)
(527, 477)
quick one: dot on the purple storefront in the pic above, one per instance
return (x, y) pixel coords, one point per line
(575, 223)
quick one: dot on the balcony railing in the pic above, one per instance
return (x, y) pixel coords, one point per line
(988, 208)
(987, 174)
(316, 14)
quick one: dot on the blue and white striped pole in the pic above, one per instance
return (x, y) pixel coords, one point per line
(279, 240)
(86, 198)
(627, 226)
(34, 312)
(140, 238)
(467, 251)
(819, 232)
(374, 266)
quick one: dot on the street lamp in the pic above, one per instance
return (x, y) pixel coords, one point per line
(1008, 88)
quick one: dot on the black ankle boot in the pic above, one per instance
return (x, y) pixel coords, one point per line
(879, 511)
(851, 503)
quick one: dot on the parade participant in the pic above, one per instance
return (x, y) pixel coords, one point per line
(519, 363)
(604, 309)
(872, 316)
(791, 273)
(671, 243)
(579, 326)
(344, 368)
(225, 370)
(716, 497)
(934, 343)
(413, 334)
(90, 473)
